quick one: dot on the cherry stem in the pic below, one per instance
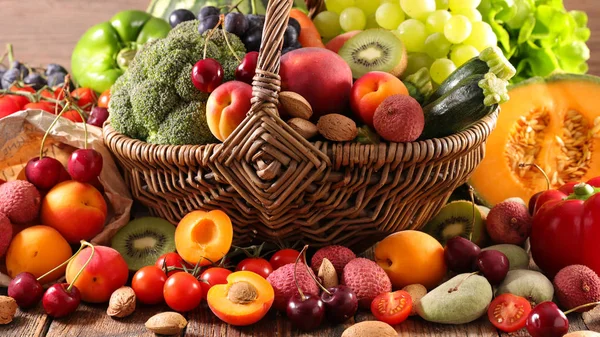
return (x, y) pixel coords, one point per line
(235, 6)
(539, 169)
(472, 195)
(253, 4)
(3, 56)
(83, 243)
(581, 307)
(451, 290)
(62, 264)
(212, 31)
(312, 275)
(50, 128)
(302, 296)
(9, 51)
(228, 44)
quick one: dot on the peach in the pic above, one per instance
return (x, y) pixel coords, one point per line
(227, 107)
(369, 91)
(106, 272)
(244, 300)
(319, 75)
(37, 250)
(337, 42)
(203, 237)
(77, 210)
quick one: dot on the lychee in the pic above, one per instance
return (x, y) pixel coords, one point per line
(20, 201)
(338, 255)
(6, 232)
(577, 285)
(282, 281)
(509, 222)
(367, 279)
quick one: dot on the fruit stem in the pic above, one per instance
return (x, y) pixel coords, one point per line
(3, 56)
(302, 296)
(9, 51)
(212, 31)
(253, 4)
(311, 274)
(62, 264)
(83, 243)
(50, 128)
(229, 44)
(472, 195)
(236, 6)
(593, 304)
(539, 169)
(451, 290)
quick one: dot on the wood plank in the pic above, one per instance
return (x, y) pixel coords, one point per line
(592, 319)
(576, 323)
(30, 323)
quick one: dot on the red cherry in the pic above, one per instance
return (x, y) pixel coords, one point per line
(59, 300)
(44, 173)
(247, 69)
(546, 320)
(98, 116)
(26, 290)
(207, 75)
(85, 165)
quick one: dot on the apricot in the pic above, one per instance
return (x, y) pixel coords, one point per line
(227, 107)
(369, 91)
(37, 250)
(411, 257)
(244, 300)
(203, 237)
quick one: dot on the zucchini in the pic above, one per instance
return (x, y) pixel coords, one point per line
(472, 99)
(490, 59)
(419, 85)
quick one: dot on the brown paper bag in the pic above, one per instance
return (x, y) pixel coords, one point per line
(20, 138)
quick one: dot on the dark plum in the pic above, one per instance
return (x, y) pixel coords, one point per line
(253, 38)
(35, 80)
(2, 69)
(10, 77)
(290, 36)
(494, 266)
(255, 20)
(460, 254)
(340, 303)
(180, 15)
(306, 312)
(22, 68)
(26, 290)
(236, 23)
(208, 23)
(56, 79)
(294, 23)
(98, 116)
(207, 11)
(55, 68)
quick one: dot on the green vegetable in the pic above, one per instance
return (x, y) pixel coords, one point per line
(472, 99)
(163, 8)
(155, 99)
(105, 51)
(539, 36)
(419, 85)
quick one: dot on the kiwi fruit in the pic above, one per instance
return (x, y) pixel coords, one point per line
(374, 50)
(456, 219)
(142, 241)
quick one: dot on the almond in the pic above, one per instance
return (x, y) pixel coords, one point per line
(8, 308)
(295, 105)
(305, 128)
(416, 292)
(328, 275)
(370, 329)
(166, 323)
(337, 128)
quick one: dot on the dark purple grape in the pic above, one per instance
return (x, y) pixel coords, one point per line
(35, 80)
(306, 314)
(55, 68)
(252, 39)
(22, 68)
(236, 23)
(98, 116)
(493, 265)
(11, 76)
(341, 304)
(290, 36)
(207, 11)
(180, 15)
(255, 21)
(56, 79)
(294, 23)
(208, 23)
(460, 254)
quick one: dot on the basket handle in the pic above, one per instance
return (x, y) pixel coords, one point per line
(315, 7)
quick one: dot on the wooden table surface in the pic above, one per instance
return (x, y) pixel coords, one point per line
(44, 31)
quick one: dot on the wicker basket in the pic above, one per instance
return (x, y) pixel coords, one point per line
(278, 187)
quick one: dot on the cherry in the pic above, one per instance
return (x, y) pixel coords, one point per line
(61, 299)
(460, 254)
(98, 116)
(45, 172)
(247, 69)
(85, 165)
(207, 75)
(26, 290)
(547, 320)
(340, 303)
(493, 265)
(532, 202)
(305, 311)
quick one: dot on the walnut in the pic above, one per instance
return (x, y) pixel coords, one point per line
(121, 303)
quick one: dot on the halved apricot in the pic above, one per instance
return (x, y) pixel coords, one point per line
(244, 300)
(204, 237)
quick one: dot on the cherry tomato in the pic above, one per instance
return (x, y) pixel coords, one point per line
(255, 264)
(148, 284)
(170, 260)
(59, 93)
(183, 292)
(509, 312)
(392, 308)
(20, 100)
(85, 97)
(40, 105)
(8, 106)
(104, 99)
(215, 275)
(72, 115)
(283, 257)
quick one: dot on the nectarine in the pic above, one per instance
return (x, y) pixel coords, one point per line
(337, 42)
(370, 90)
(204, 237)
(227, 107)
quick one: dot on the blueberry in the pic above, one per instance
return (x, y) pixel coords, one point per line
(55, 68)
(180, 15)
(294, 23)
(35, 80)
(236, 23)
(208, 23)
(207, 11)
(252, 39)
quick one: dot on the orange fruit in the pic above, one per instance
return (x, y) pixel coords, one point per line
(204, 237)
(411, 257)
(37, 250)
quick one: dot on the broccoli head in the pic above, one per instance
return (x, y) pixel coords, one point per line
(156, 101)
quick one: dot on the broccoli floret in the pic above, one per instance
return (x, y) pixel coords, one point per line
(152, 102)
(121, 112)
(169, 68)
(186, 125)
(186, 89)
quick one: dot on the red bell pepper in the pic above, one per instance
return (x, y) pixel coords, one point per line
(566, 227)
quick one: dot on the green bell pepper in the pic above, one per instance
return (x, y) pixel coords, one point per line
(104, 52)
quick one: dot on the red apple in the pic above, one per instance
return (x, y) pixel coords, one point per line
(227, 107)
(370, 90)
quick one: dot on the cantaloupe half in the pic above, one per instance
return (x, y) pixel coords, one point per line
(552, 122)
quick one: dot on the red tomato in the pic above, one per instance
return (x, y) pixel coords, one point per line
(40, 105)
(215, 275)
(255, 264)
(509, 312)
(21, 100)
(72, 115)
(148, 284)
(85, 97)
(183, 292)
(8, 106)
(170, 260)
(392, 308)
(104, 99)
(59, 93)
(283, 257)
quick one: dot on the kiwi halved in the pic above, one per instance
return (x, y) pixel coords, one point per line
(374, 50)
(456, 219)
(142, 241)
